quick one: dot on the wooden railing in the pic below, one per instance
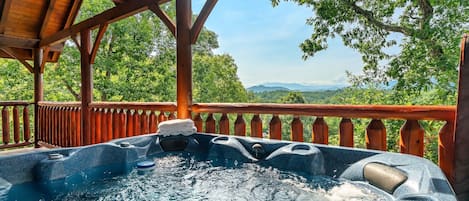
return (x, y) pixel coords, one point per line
(118, 120)
(411, 133)
(60, 123)
(15, 117)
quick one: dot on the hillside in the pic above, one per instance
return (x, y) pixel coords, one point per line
(262, 88)
(313, 97)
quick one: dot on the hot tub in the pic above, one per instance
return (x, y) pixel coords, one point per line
(215, 167)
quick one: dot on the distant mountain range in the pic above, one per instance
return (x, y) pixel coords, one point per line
(277, 86)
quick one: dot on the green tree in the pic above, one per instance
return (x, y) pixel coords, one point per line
(216, 80)
(136, 61)
(293, 97)
(429, 33)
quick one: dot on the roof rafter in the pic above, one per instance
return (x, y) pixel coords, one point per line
(73, 13)
(12, 53)
(47, 15)
(120, 11)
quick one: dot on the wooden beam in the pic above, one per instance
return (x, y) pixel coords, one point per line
(38, 90)
(46, 18)
(45, 54)
(76, 41)
(24, 43)
(461, 137)
(12, 53)
(121, 11)
(155, 8)
(86, 85)
(72, 14)
(200, 21)
(184, 58)
(97, 41)
(4, 17)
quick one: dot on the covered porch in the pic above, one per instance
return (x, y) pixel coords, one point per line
(68, 124)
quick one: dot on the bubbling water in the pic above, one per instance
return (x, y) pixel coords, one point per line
(183, 178)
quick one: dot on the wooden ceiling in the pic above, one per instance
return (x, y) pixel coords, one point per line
(24, 23)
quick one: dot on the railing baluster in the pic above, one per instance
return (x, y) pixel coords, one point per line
(210, 124)
(224, 124)
(198, 122)
(153, 122)
(122, 124)
(115, 124)
(42, 124)
(446, 150)
(130, 123)
(256, 126)
(6, 125)
(376, 135)
(92, 139)
(240, 125)
(137, 125)
(50, 126)
(145, 123)
(55, 122)
(171, 116)
(79, 137)
(16, 124)
(63, 131)
(26, 130)
(411, 138)
(161, 117)
(109, 125)
(296, 129)
(68, 130)
(73, 127)
(275, 128)
(104, 125)
(98, 118)
(320, 132)
(346, 133)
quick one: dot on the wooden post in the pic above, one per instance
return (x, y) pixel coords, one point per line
(184, 58)
(38, 92)
(86, 84)
(461, 138)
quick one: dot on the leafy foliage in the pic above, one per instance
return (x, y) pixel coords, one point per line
(427, 32)
(136, 61)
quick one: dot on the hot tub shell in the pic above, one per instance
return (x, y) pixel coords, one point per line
(401, 176)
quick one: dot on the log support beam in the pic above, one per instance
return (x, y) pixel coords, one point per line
(38, 55)
(461, 138)
(186, 35)
(86, 85)
(184, 58)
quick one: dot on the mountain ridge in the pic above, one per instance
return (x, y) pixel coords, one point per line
(278, 86)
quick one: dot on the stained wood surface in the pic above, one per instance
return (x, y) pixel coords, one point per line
(375, 137)
(346, 133)
(411, 138)
(349, 111)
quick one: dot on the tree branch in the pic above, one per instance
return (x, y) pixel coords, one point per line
(370, 18)
(427, 13)
(76, 95)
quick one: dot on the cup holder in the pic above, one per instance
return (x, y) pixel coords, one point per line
(301, 147)
(220, 139)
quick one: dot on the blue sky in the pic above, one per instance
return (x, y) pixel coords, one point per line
(264, 42)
